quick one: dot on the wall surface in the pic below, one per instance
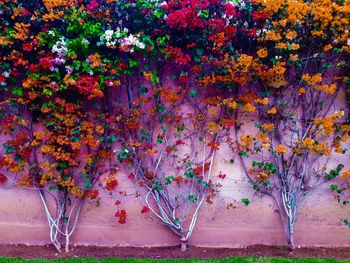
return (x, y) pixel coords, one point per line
(22, 219)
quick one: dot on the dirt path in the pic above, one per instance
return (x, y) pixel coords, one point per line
(170, 252)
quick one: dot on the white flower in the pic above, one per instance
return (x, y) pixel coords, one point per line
(51, 33)
(107, 37)
(6, 74)
(132, 41)
(84, 41)
(60, 47)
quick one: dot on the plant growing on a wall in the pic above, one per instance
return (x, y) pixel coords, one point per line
(154, 87)
(299, 127)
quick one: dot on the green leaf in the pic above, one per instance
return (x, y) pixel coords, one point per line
(17, 91)
(192, 198)
(193, 93)
(243, 154)
(169, 179)
(334, 187)
(199, 51)
(245, 201)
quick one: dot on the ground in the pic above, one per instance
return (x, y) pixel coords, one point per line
(171, 252)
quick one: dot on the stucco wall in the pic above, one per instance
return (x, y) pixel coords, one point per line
(22, 219)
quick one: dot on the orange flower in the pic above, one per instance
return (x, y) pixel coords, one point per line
(95, 60)
(213, 127)
(281, 149)
(249, 107)
(262, 53)
(100, 129)
(272, 111)
(301, 91)
(345, 174)
(268, 126)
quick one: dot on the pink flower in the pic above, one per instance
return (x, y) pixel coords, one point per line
(92, 5)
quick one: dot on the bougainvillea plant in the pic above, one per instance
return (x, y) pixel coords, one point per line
(299, 126)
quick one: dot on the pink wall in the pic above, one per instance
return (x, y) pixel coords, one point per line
(22, 219)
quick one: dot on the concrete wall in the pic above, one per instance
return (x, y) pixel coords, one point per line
(22, 219)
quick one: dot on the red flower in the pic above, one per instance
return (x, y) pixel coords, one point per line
(117, 202)
(46, 63)
(111, 184)
(90, 86)
(93, 194)
(33, 68)
(179, 142)
(145, 210)
(259, 15)
(183, 78)
(3, 178)
(131, 176)
(199, 169)
(122, 216)
(177, 55)
(230, 10)
(230, 31)
(27, 46)
(221, 175)
(251, 32)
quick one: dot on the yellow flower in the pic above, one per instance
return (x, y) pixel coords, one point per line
(272, 111)
(262, 53)
(281, 149)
